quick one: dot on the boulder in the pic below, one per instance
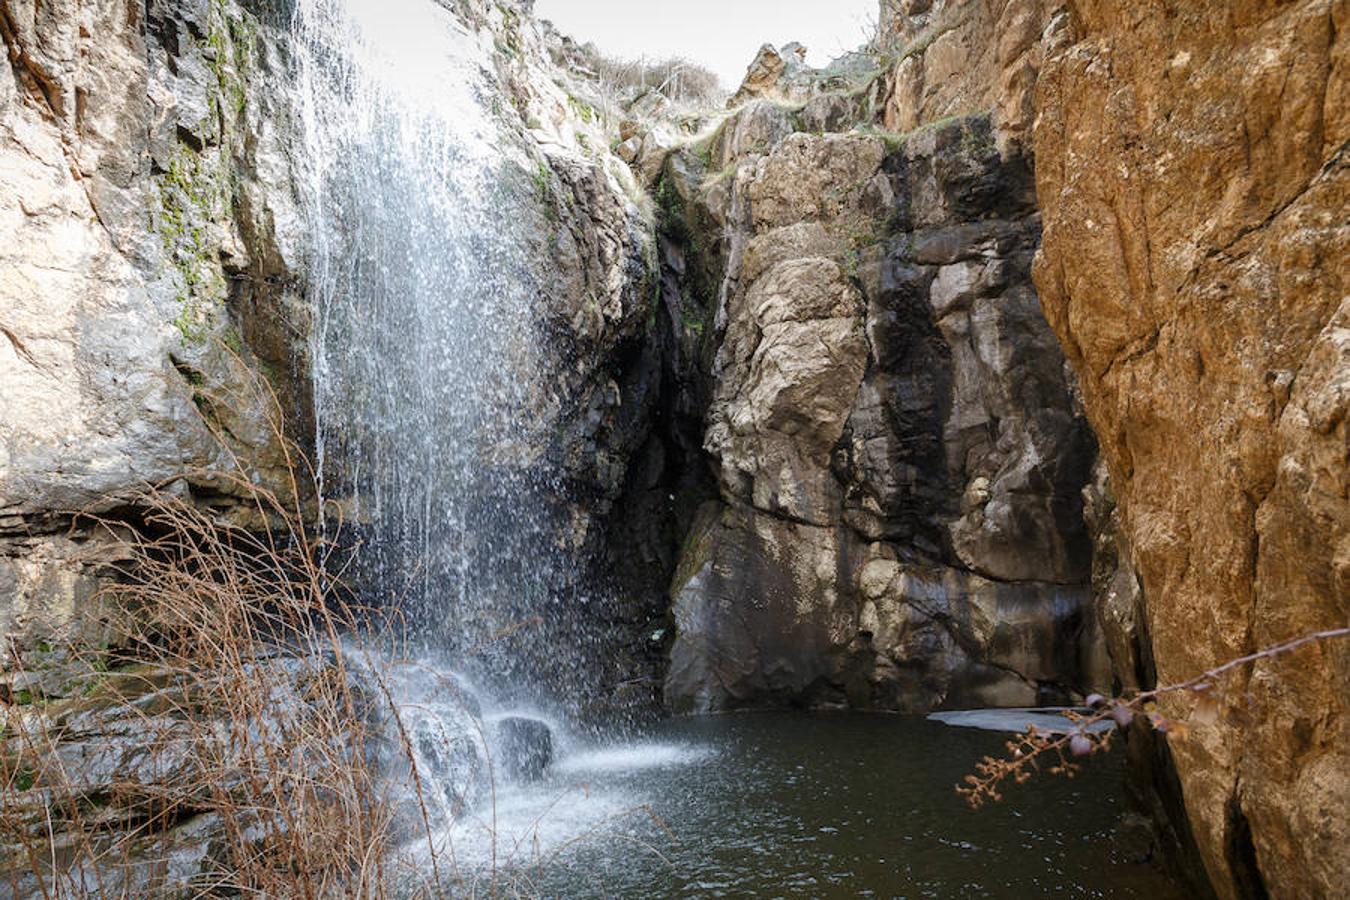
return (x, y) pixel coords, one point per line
(762, 77)
(522, 747)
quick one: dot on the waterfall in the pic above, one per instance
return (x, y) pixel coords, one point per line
(424, 351)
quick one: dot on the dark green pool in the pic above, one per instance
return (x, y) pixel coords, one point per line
(799, 805)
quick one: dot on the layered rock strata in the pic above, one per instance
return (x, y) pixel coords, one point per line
(946, 58)
(149, 249)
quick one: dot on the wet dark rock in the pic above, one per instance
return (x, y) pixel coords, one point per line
(523, 747)
(900, 461)
(1133, 839)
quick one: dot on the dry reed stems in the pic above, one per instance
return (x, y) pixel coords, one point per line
(227, 738)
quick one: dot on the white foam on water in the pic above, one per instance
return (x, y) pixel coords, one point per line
(634, 757)
(541, 823)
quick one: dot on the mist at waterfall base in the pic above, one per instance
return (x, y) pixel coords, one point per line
(425, 355)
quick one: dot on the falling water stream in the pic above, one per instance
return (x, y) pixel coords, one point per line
(424, 353)
(423, 348)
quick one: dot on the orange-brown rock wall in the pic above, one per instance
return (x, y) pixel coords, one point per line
(1192, 171)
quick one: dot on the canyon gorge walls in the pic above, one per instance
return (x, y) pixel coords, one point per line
(1192, 173)
(1194, 242)
(1003, 362)
(898, 457)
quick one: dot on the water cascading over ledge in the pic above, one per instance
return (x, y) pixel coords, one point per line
(423, 343)
(479, 300)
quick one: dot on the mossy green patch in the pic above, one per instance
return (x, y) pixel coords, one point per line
(682, 224)
(692, 318)
(199, 185)
(892, 140)
(543, 182)
(704, 151)
(510, 43)
(193, 194)
(232, 341)
(671, 213)
(583, 110)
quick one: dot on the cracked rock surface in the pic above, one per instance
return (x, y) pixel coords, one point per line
(898, 459)
(1192, 172)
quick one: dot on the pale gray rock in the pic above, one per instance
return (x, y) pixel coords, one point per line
(139, 205)
(899, 459)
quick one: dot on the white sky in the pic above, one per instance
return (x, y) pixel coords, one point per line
(721, 34)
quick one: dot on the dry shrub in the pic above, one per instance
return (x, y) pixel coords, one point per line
(1086, 733)
(233, 734)
(678, 79)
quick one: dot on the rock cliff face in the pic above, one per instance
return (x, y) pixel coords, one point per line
(591, 267)
(154, 260)
(957, 57)
(898, 462)
(153, 293)
(1190, 166)
(148, 251)
(1192, 171)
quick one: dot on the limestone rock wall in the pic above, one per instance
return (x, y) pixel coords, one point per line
(147, 263)
(153, 267)
(898, 463)
(1192, 173)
